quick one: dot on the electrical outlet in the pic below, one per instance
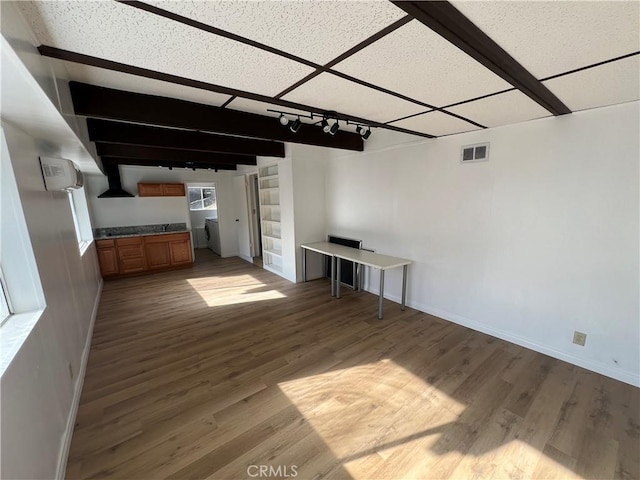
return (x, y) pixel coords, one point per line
(579, 338)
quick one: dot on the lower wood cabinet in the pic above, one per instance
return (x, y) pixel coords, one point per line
(131, 255)
(108, 261)
(158, 255)
(131, 258)
(180, 252)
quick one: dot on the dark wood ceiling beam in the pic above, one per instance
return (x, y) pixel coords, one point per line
(106, 103)
(443, 18)
(105, 131)
(171, 154)
(144, 162)
(68, 56)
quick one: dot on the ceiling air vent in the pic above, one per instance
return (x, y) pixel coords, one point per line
(475, 153)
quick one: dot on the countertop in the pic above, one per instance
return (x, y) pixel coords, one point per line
(109, 235)
(139, 231)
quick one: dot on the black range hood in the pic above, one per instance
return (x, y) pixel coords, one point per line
(115, 189)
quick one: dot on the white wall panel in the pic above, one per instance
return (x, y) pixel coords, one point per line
(539, 241)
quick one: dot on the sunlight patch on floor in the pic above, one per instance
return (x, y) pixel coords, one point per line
(382, 421)
(222, 291)
(371, 412)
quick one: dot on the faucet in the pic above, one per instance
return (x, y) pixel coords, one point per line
(165, 227)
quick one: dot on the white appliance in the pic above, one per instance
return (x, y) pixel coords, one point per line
(60, 174)
(212, 232)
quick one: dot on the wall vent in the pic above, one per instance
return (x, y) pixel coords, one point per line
(475, 153)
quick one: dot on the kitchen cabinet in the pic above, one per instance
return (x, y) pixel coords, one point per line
(144, 254)
(131, 258)
(161, 189)
(107, 257)
(158, 255)
(180, 252)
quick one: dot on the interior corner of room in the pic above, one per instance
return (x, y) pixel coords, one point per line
(299, 202)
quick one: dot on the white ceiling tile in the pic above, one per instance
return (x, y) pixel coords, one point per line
(329, 92)
(553, 37)
(420, 64)
(509, 107)
(134, 83)
(436, 123)
(114, 31)
(316, 31)
(609, 84)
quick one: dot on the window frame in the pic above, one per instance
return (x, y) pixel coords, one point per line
(82, 224)
(6, 310)
(202, 198)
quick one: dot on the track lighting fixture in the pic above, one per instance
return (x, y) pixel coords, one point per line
(295, 126)
(329, 123)
(170, 168)
(325, 125)
(365, 134)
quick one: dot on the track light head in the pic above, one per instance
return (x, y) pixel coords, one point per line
(170, 168)
(366, 134)
(295, 125)
(284, 121)
(325, 125)
(359, 130)
(334, 128)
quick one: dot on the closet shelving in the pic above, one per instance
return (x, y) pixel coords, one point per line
(269, 186)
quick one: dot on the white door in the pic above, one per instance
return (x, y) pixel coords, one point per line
(242, 218)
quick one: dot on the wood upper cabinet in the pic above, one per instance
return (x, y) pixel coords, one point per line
(161, 189)
(173, 189)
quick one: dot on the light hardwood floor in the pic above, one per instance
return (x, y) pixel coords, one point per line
(202, 373)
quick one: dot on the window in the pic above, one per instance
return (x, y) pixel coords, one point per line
(202, 198)
(81, 221)
(5, 310)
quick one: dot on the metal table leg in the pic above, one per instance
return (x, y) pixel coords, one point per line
(404, 286)
(304, 264)
(338, 262)
(381, 299)
(333, 276)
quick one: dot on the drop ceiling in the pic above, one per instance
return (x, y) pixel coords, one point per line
(367, 60)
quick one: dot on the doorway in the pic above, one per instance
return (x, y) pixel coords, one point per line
(254, 218)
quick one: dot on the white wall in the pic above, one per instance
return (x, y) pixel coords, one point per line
(539, 241)
(309, 165)
(37, 392)
(114, 212)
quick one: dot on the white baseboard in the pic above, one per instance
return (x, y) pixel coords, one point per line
(246, 258)
(75, 402)
(598, 367)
